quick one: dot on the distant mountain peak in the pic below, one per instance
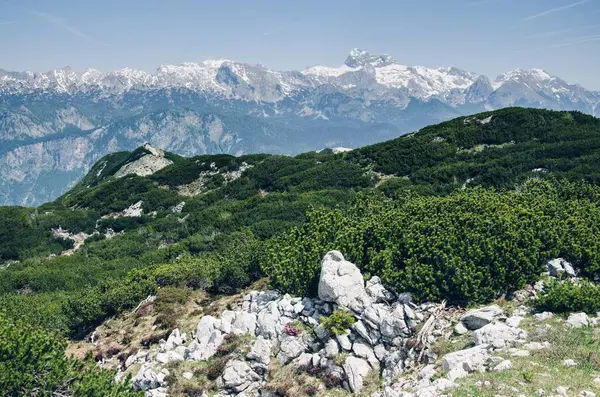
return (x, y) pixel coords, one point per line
(533, 74)
(358, 58)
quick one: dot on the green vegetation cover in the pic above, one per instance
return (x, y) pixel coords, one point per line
(466, 210)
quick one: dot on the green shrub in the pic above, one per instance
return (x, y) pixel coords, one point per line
(565, 297)
(33, 362)
(339, 322)
(167, 297)
(468, 247)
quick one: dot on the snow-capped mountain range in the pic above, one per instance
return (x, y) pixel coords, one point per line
(55, 125)
(361, 70)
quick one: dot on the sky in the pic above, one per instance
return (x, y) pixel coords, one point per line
(484, 36)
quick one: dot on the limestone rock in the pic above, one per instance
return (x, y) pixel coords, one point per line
(208, 339)
(559, 266)
(460, 329)
(498, 335)
(290, 348)
(377, 291)
(578, 320)
(356, 370)
(503, 365)
(227, 318)
(244, 323)
(331, 348)
(543, 316)
(468, 360)
(268, 325)
(364, 351)
(145, 165)
(477, 318)
(148, 377)
(261, 351)
(344, 341)
(394, 324)
(341, 282)
(514, 321)
(237, 376)
(170, 356)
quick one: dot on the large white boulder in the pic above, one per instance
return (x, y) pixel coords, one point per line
(341, 282)
(356, 370)
(477, 318)
(268, 325)
(498, 335)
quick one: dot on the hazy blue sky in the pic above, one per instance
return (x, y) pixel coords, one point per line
(486, 36)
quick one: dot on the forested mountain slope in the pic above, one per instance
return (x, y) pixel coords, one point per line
(466, 210)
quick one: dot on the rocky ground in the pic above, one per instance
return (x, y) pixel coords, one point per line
(268, 344)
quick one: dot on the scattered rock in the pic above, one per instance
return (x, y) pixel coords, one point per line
(543, 316)
(331, 348)
(244, 323)
(344, 341)
(503, 365)
(149, 377)
(261, 351)
(290, 348)
(377, 291)
(514, 321)
(520, 353)
(362, 350)
(536, 345)
(208, 339)
(570, 363)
